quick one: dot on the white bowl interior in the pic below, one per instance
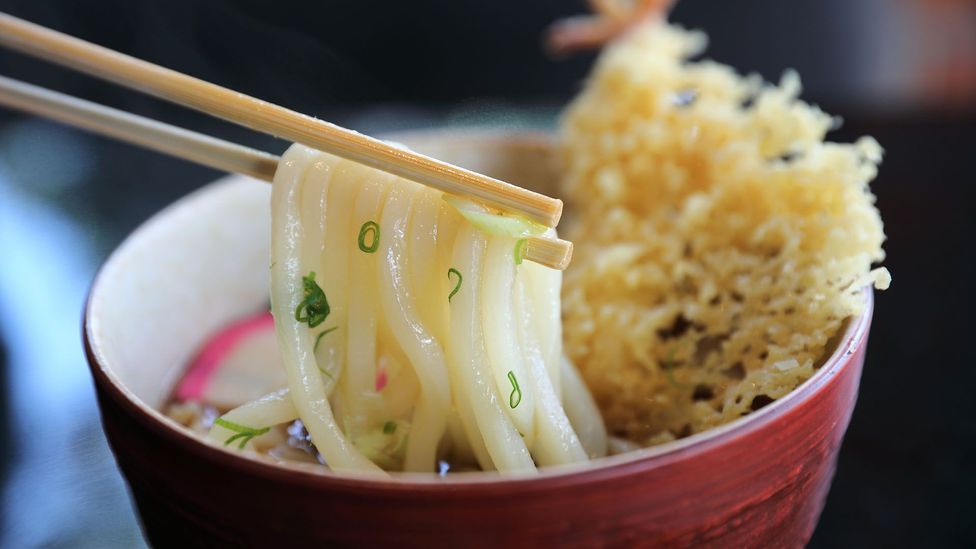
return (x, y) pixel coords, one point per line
(188, 272)
(202, 263)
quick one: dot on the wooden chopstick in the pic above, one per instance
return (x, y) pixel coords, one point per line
(145, 132)
(195, 147)
(253, 113)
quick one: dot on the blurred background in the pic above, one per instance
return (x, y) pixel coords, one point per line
(903, 71)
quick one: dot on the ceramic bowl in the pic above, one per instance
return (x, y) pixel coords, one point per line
(203, 262)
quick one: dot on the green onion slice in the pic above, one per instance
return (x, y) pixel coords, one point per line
(320, 336)
(516, 396)
(494, 223)
(314, 308)
(365, 232)
(520, 250)
(244, 433)
(457, 286)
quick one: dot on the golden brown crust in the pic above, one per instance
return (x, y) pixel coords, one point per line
(720, 241)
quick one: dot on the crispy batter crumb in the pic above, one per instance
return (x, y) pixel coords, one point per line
(721, 243)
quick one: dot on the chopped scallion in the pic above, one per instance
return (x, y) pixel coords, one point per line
(494, 222)
(244, 433)
(364, 232)
(326, 373)
(520, 250)
(457, 286)
(314, 308)
(320, 336)
(516, 396)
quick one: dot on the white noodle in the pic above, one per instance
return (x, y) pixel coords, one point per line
(428, 363)
(423, 350)
(467, 442)
(332, 264)
(359, 377)
(555, 443)
(543, 285)
(424, 268)
(294, 339)
(314, 192)
(501, 335)
(266, 411)
(582, 411)
(467, 350)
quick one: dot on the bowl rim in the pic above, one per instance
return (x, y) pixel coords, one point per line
(596, 470)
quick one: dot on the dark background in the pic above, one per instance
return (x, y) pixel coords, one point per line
(903, 71)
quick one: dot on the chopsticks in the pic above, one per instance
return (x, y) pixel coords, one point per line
(253, 113)
(157, 136)
(259, 115)
(189, 145)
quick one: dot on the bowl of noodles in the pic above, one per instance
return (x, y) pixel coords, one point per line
(411, 379)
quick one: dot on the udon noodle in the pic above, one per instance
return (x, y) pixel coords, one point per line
(411, 331)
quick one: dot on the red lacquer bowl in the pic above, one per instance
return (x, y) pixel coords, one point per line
(202, 263)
